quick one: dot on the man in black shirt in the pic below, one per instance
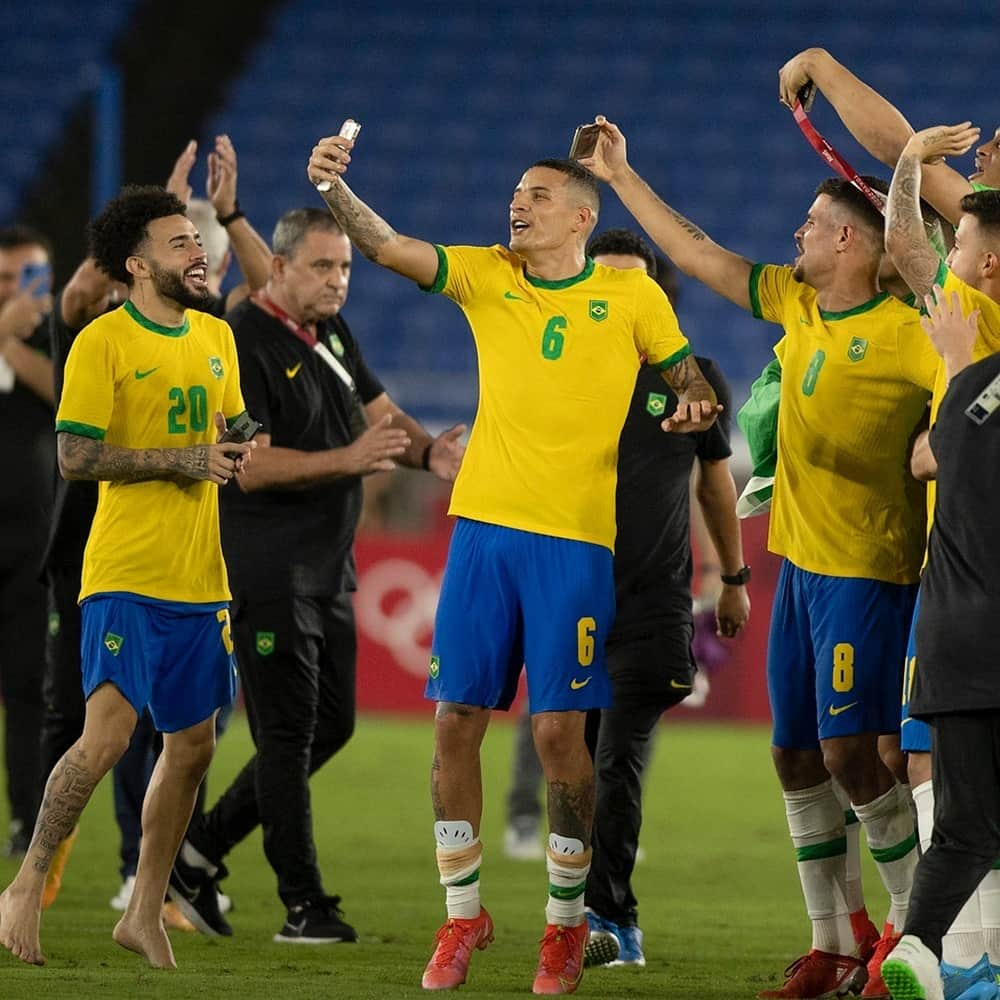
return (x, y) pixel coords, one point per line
(287, 537)
(29, 453)
(955, 688)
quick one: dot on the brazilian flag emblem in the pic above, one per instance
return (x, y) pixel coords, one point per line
(598, 310)
(113, 643)
(215, 366)
(656, 403)
(265, 643)
(857, 349)
(336, 345)
(435, 667)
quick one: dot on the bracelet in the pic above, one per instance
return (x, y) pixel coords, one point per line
(425, 459)
(740, 579)
(236, 213)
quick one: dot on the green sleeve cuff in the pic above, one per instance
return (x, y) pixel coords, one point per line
(81, 430)
(942, 274)
(755, 273)
(441, 278)
(673, 359)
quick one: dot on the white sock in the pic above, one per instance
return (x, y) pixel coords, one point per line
(568, 864)
(855, 891)
(892, 841)
(816, 823)
(964, 943)
(459, 856)
(989, 909)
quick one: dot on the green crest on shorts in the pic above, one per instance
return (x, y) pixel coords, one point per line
(857, 349)
(265, 643)
(215, 365)
(435, 667)
(598, 310)
(113, 643)
(656, 403)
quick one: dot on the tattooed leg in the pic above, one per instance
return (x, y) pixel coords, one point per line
(456, 778)
(569, 773)
(109, 723)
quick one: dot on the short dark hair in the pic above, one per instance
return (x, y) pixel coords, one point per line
(19, 235)
(577, 174)
(626, 243)
(985, 207)
(845, 193)
(292, 227)
(120, 229)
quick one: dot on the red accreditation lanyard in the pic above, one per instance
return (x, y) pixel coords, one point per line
(262, 301)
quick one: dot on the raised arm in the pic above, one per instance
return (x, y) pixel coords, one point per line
(876, 124)
(905, 237)
(681, 240)
(369, 232)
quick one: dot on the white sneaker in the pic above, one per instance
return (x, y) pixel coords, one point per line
(523, 843)
(225, 903)
(911, 972)
(120, 902)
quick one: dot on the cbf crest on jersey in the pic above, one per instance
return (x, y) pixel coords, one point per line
(598, 310)
(857, 349)
(656, 403)
(337, 345)
(215, 366)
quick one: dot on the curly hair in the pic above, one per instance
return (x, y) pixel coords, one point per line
(120, 229)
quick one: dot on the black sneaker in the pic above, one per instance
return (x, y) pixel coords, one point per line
(316, 922)
(196, 894)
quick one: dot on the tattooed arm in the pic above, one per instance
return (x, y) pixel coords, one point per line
(905, 238)
(681, 240)
(85, 458)
(697, 405)
(369, 232)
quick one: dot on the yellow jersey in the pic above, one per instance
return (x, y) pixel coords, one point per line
(135, 384)
(557, 364)
(855, 384)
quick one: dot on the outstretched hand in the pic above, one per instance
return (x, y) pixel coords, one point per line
(952, 334)
(447, 452)
(688, 417)
(178, 182)
(221, 183)
(933, 144)
(793, 76)
(329, 160)
(609, 159)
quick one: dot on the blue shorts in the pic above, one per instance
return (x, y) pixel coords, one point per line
(173, 657)
(915, 734)
(511, 598)
(834, 656)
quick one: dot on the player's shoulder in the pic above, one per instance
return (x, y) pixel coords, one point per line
(109, 327)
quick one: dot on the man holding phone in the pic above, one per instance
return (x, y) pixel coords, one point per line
(529, 575)
(26, 397)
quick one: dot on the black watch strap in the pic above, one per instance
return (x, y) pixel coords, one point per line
(737, 579)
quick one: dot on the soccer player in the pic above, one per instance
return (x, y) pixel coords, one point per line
(288, 535)
(957, 639)
(142, 385)
(847, 582)
(529, 575)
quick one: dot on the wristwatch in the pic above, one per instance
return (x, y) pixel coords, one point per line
(737, 579)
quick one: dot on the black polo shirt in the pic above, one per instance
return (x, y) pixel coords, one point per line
(295, 541)
(653, 547)
(958, 629)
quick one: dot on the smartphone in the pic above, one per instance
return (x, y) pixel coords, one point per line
(31, 273)
(241, 430)
(584, 141)
(349, 130)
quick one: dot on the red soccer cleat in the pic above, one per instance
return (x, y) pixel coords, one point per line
(456, 939)
(819, 976)
(866, 935)
(875, 988)
(560, 962)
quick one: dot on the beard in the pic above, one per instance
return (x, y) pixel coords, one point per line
(170, 285)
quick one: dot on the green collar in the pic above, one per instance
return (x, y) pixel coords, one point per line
(857, 310)
(167, 331)
(588, 270)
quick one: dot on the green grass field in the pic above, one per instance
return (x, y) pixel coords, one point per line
(719, 894)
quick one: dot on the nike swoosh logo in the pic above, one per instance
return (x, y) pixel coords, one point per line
(804, 321)
(292, 372)
(834, 710)
(576, 685)
(139, 374)
(514, 298)
(680, 687)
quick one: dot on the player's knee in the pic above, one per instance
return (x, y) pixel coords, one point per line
(558, 740)
(798, 768)
(918, 768)
(192, 755)
(458, 729)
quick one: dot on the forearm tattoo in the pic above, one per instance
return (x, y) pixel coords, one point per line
(368, 231)
(67, 791)
(914, 257)
(686, 379)
(571, 808)
(87, 458)
(686, 224)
